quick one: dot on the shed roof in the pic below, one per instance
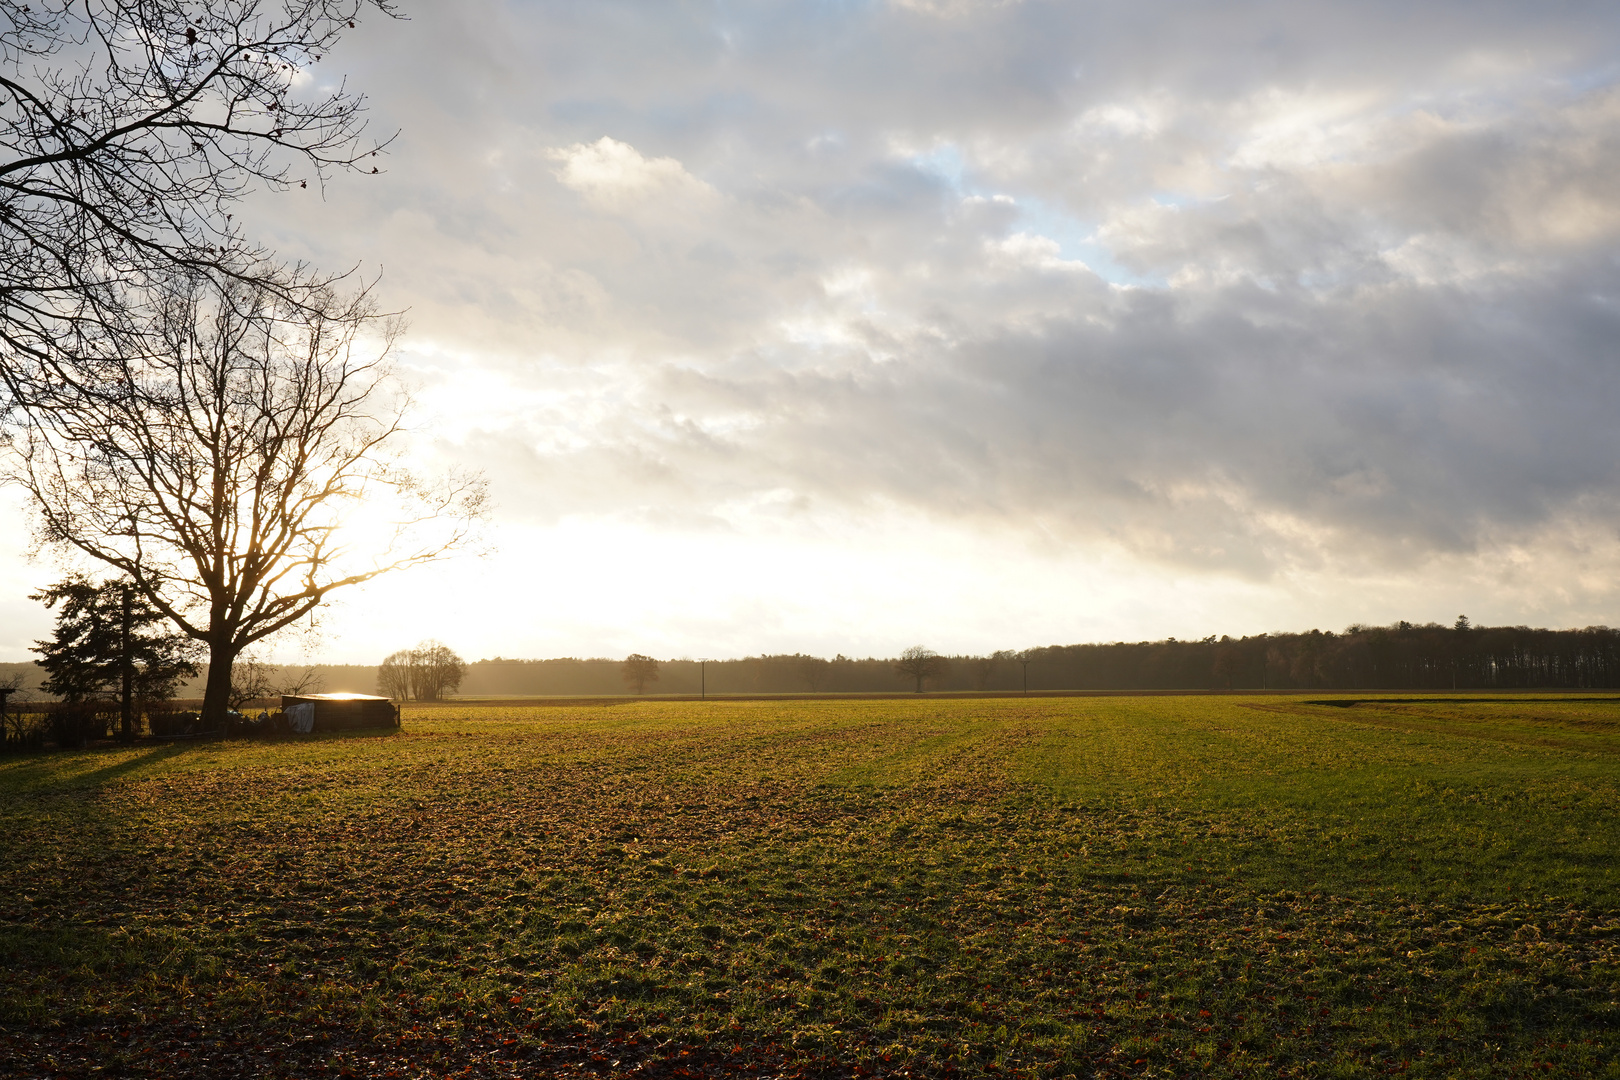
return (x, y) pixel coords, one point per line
(294, 698)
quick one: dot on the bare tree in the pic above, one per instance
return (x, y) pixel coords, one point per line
(129, 128)
(814, 671)
(638, 671)
(252, 679)
(986, 667)
(13, 726)
(921, 664)
(298, 683)
(216, 461)
(435, 671)
(394, 675)
(425, 673)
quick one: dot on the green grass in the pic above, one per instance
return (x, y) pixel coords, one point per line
(1109, 886)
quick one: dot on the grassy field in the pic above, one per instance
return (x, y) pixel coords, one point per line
(1090, 887)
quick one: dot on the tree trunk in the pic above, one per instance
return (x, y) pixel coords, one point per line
(217, 696)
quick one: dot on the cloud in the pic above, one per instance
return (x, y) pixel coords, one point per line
(951, 9)
(1257, 290)
(612, 173)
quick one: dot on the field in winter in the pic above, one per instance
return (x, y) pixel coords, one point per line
(1171, 886)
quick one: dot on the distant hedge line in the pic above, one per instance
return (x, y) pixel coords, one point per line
(1400, 657)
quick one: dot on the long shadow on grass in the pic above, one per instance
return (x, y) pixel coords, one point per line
(48, 770)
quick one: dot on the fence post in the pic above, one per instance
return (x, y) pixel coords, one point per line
(126, 702)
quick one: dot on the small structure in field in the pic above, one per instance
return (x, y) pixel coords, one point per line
(338, 712)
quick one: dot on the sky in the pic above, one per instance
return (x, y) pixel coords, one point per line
(977, 324)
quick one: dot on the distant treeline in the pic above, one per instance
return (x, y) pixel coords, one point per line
(1399, 657)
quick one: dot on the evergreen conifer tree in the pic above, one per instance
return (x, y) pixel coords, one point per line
(111, 644)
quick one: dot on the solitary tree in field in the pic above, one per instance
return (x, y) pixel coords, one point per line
(233, 462)
(438, 671)
(921, 664)
(638, 671)
(426, 673)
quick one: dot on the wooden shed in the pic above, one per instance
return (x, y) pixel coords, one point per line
(338, 712)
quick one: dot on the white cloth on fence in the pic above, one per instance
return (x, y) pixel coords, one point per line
(301, 717)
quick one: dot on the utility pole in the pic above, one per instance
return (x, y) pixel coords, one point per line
(703, 682)
(127, 698)
(1025, 662)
